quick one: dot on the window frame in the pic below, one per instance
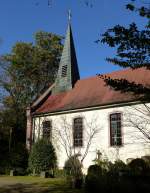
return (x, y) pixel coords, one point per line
(110, 131)
(50, 135)
(33, 129)
(79, 146)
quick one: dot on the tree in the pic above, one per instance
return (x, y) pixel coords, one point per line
(4, 147)
(64, 141)
(28, 70)
(133, 50)
(31, 68)
(138, 117)
(18, 157)
(65, 136)
(42, 156)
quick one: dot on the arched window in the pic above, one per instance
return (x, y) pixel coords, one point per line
(115, 129)
(78, 132)
(47, 129)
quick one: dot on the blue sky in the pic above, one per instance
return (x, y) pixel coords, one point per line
(20, 19)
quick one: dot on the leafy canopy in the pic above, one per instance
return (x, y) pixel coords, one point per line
(24, 73)
(31, 68)
(132, 49)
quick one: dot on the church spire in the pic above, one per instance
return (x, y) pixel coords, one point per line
(68, 72)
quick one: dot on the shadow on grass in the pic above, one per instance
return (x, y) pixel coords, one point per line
(38, 188)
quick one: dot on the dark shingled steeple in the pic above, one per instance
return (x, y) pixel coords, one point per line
(68, 72)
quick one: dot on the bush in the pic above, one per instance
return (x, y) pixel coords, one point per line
(94, 170)
(73, 170)
(117, 169)
(60, 173)
(120, 165)
(104, 164)
(4, 153)
(95, 181)
(19, 157)
(73, 166)
(17, 160)
(138, 167)
(118, 178)
(42, 157)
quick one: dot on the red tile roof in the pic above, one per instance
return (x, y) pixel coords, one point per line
(94, 92)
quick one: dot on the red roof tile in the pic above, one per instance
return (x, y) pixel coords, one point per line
(94, 92)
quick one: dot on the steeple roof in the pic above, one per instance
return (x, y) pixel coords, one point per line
(68, 72)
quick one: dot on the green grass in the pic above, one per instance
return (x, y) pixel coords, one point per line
(29, 184)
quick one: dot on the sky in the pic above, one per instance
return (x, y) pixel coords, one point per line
(20, 19)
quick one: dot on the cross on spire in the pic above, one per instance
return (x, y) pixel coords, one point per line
(68, 72)
(69, 15)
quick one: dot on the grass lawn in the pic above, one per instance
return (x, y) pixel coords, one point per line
(29, 184)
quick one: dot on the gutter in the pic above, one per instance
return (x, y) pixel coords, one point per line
(98, 107)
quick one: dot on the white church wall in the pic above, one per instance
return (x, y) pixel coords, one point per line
(135, 144)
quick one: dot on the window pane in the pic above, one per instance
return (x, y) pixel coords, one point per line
(47, 129)
(115, 129)
(78, 132)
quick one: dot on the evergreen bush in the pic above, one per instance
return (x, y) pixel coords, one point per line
(118, 177)
(138, 167)
(19, 157)
(42, 157)
(95, 181)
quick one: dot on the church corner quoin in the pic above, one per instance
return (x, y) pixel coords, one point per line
(84, 116)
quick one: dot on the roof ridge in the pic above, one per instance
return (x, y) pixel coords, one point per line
(113, 72)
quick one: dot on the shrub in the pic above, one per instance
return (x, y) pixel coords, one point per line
(104, 164)
(117, 169)
(120, 165)
(4, 153)
(73, 170)
(19, 157)
(73, 166)
(42, 157)
(118, 178)
(146, 158)
(115, 177)
(95, 181)
(138, 167)
(102, 179)
(60, 173)
(94, 170)
(16, 159)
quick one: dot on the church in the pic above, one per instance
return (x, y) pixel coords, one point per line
(87, 118)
